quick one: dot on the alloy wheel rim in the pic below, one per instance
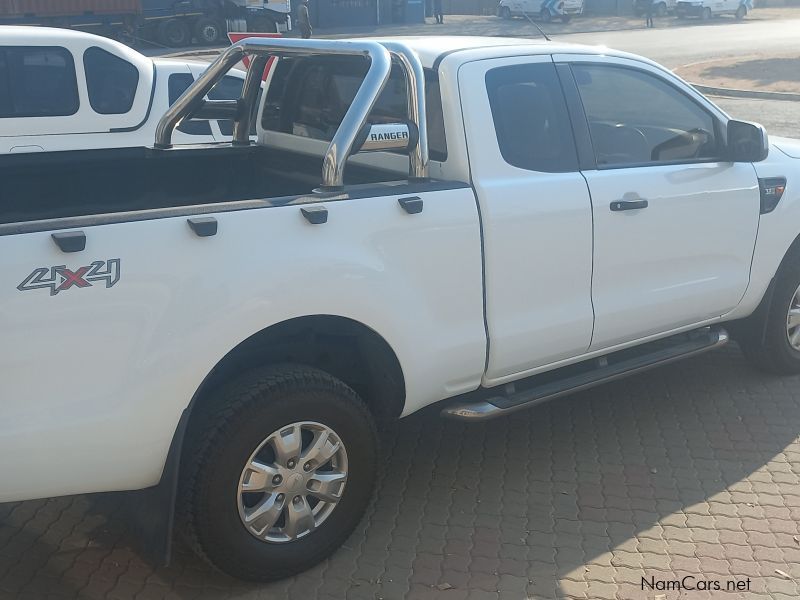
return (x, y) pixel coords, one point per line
(793, 321)
(292, 482)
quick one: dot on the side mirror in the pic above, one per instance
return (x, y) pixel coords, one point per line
(381, 137)
(747, 142)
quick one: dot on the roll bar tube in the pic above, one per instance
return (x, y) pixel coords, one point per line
(341, 146)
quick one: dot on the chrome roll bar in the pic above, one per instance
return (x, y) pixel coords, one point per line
(342, 145)
(415, 82)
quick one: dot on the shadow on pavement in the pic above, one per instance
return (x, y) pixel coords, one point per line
(524, 504)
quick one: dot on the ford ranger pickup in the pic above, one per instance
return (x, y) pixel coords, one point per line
(482, 223)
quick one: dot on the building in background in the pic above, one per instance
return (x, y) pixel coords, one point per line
(365, 13)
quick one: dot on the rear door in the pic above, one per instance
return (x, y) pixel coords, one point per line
(674, 223)
(535, 211)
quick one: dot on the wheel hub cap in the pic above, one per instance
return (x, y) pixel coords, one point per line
(292, 482)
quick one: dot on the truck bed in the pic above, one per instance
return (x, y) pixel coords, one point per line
(56, 185)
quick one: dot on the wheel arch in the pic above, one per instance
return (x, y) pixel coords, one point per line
(343, 347)
(363, 359)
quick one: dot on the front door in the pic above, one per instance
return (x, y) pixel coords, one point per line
(674, 223)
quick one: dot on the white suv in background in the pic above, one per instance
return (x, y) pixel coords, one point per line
(69, 90)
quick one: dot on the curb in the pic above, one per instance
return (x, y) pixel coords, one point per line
(754, 94)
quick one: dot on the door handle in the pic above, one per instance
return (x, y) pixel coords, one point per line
(619, 205)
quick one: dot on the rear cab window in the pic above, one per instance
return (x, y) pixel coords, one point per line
(309, 98)
(37, 81)
(111, 82)
(530, 118)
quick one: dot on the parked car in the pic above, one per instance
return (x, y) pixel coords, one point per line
(705, 9)
(545, 11)
(70, 90)
(660, 7)
(225, 324)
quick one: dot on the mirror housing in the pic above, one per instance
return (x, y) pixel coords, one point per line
(747, 142)
(382, 137)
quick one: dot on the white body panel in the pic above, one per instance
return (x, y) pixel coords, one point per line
(683, 260)
(92, 374)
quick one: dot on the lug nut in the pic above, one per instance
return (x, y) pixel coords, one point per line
(279, 497)
(307, 466)
(277, 480)
(297, 499)
(290, 464)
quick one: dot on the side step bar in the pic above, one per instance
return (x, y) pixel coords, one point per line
(572, 378)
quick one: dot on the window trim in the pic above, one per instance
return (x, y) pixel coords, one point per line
(720, 158)
(71, 59)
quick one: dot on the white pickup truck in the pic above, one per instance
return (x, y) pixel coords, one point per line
(482, 223)
(65, 90)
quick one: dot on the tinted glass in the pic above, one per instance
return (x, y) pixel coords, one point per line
(111, 82)
(228, 88)
(37, 82)
(178, 83)
(310, 97)
(530, 118)
(636, 118)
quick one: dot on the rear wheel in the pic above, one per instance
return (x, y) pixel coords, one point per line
(661, 9)
(741, 12)
(505, 12)
(546, 16)
(706, 14)
(565, 18)
(773, 344)
(174, 33)
(279, 475)
(209, 31)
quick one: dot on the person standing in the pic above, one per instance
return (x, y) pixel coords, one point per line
(648, 11)
(438, 13)
(303, 19)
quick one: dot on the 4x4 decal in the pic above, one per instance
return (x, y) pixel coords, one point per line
(60, 278)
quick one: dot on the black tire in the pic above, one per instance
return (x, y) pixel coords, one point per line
(246, 412)
(505, 13)
(741, 12)
(174, 33)
(661, 9)
(565, 18)
(706, 14)
(765, 342)
(209, 31)
(545, 15)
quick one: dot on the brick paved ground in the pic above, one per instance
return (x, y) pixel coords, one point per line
(690, 469)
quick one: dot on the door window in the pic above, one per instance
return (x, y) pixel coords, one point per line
(110, 81)
(37, 81)
(530, 118)
(638, 119)
(179, 83)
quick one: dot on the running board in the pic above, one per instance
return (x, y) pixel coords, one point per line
(586, 374)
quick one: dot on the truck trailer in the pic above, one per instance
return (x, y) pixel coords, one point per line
(171, 23)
